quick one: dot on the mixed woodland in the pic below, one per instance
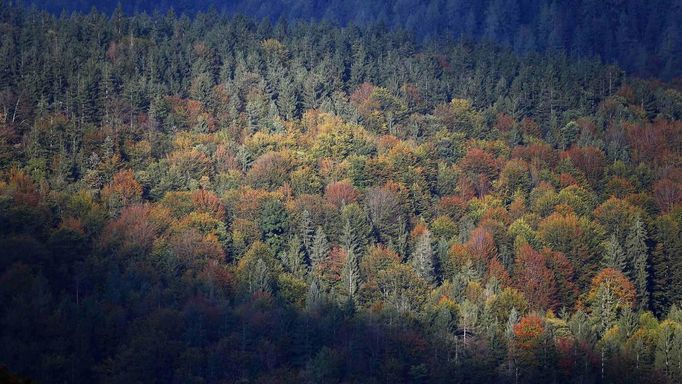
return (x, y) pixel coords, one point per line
(218, 199)
(643, 37)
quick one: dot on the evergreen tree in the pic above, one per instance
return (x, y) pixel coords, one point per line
(359, 229)
(307, 232)
(349, 241)
(131, 187)
(295, 257)
(637, 256)
(350, 276)
(614, 257)
(660, 280)
(319, 250)
(259, 277)
(289, 100)
(604, 309)
(314, 297)
(666, 277)
(668, 355)
(511, 322)
(422, 257)
(274, 223)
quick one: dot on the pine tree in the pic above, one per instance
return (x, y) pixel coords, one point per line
(295, 258)
(637, 257)
(569, 134)
(314, 297)
(422, 257)
(666, 348)
(288, 100)
(312, 91)
(511, 322)
(307, 232)
(660, 280)
(259, 277)
(468, 318)
(273, 223)
(350, 275)
(400, 243)
(320, 248)
(244, 157)
(349, 241)
(255, 107)
(628, 322)
(614, 257)
(666, 274)
(356, 218)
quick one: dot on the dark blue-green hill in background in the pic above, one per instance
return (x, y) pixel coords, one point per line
(643, 37)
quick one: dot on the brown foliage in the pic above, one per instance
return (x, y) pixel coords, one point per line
(134, 230)
(499, 272)
(321, 211)
(479, 162)
(124, 188)
(656, 142)
(330, 269)
(667, 194)
(504, 122)
(617, 283)
(530, 127)
(246, 202)
(271, 170)
(340, 193)
(539, 155)
(564, 275)
(527, 337)
(533, 277)
(481, 245)
(22, 188)
(452, 206)
(361, 98)
(590, 160)
(208, 202)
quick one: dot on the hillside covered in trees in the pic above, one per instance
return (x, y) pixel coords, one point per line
(645, 38)
(218, 199)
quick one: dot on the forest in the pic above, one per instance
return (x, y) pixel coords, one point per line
(643, 37)
(215, 198)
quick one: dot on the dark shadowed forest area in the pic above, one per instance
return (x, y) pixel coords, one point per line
(416, 192)
(643, 37)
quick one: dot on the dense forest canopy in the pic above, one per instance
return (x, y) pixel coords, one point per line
(645, 38)
(218, 198)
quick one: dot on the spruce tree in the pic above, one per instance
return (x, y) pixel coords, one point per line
(259, 277)
(614, 257)
(314, 297)
(637, 257)
(349, 241)
(511, 322)
(319, 249)
(307, 231)
(350, 276)
(660, 280)
(294, 258)
(604, 309)
(422, 257)
(666, 279)
(360, 229)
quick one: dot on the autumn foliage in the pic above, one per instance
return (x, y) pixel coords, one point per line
(202, 198)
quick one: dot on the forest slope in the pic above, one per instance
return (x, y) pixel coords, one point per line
(643, 37)
(212, 199)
